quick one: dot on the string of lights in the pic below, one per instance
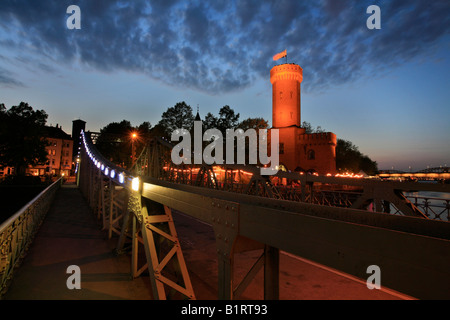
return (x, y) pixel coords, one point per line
(108, 169)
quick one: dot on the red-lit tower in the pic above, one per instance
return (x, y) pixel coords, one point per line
(298, 151)
(286, 80)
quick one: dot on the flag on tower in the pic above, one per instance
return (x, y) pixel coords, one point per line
(280, 55)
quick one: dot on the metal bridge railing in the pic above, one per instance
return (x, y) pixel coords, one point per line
(432, 207)
(254, 214)
(17, 233)
(333, 191)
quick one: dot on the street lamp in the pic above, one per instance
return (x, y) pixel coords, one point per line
(133, 151)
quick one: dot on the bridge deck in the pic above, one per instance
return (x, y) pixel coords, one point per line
(70, 235)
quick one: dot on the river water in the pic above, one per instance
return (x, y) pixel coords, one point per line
(438, 202)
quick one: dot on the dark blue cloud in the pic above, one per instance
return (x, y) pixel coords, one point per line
(223, 46)
(9, 80)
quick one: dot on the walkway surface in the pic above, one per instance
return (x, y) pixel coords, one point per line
(71, 235)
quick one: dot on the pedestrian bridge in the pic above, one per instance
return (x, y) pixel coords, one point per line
(203, 232)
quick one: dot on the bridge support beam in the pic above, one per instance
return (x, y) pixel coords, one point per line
(271, 273)
(153, 227)
(225, 221)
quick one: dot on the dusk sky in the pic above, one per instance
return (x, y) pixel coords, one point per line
(386, 90)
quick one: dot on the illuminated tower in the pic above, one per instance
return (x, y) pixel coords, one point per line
(298, 151)
(286, 80)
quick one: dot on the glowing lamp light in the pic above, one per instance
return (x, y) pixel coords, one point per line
(106, 171)
(98, 164)
(103, 167)
(121, 178)
(113, 174)
(135, 184)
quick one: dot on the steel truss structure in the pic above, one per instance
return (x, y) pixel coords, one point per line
(248, 211)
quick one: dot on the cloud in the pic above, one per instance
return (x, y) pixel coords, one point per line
(8, 80)
(223, 46)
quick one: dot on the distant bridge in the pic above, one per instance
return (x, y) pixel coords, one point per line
(436, 173)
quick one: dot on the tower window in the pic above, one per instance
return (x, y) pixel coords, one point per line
(311, 155)
(281, 148)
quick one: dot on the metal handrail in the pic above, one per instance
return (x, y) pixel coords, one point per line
(18, 231)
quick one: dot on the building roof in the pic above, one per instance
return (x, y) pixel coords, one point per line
(56, 132)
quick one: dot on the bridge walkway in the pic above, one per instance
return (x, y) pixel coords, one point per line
(71, 235)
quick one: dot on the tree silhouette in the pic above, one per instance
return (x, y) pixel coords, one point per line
(253, 123)
(179, 116)
(116, 140)
(21, 137)
(349, 158)
(228, 119)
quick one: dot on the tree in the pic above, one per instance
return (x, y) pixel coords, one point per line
(368, 166)
(113, 144)
(179, 116)
(310, 129)
(116, 141)
(253, 123)
(228, 119)
(349, 158)
(144, 129)
(210, 121)
(21, 137)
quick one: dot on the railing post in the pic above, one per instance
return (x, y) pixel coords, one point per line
(271, 273)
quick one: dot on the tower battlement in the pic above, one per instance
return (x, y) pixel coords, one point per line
(286, 71)
(318, 138)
